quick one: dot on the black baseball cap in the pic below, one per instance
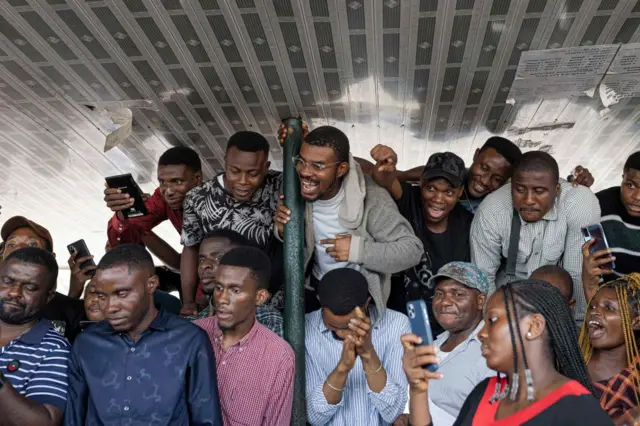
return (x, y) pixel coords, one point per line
(445, 165)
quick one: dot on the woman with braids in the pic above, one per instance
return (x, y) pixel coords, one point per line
(609, 343)
(530, 340)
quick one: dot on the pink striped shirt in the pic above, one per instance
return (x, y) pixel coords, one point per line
(255, 376)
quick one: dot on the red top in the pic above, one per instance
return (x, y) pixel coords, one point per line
(132, 230)
(255, 376)
(486, 412)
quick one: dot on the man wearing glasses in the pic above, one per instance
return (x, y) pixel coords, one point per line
(350, 221)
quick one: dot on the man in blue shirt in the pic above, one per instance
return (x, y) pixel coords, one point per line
(33, 356)
(141, 365)
(354, 369)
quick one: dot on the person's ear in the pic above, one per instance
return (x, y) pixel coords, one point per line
(262, 296)
(267, 165)
(475, 154)
(534, 326)
(198, 177)
(343, 169)
(366, 305)
(152, 283)
(481, 299)
(558, 189)
(635, 322)
(54, 255)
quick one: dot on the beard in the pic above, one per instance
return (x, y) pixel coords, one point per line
(15, 316)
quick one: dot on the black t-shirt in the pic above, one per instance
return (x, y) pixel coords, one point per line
(622, 231)
(65, 313)
(439, 249)
(569, 405)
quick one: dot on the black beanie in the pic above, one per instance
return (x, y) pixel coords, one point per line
(342, 290)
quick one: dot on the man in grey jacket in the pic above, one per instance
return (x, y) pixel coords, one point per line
(349, 220)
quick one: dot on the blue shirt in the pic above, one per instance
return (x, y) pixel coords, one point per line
(167, 377)
(359, 405)
(36, 365)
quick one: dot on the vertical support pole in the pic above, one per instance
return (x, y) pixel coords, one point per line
(294, 265)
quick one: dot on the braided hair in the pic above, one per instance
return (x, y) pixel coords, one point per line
(628, 294)
(526, 297)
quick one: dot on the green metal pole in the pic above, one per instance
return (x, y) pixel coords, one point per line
(294, 266)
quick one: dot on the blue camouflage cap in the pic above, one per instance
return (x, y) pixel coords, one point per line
(465, 273)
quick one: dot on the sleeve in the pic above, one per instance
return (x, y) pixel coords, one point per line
(75, 412)
(391, 401)
(192, 233)
(49, 383)
(394, 247)
(319, 411)
(486, 244)
(203, 399)
(280, 407)
(583, 410)
(131, 231)
(582, 209)
(407, 202)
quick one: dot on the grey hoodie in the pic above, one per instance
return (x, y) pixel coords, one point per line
(382, 241)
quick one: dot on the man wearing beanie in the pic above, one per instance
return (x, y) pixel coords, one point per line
(620, 220)
(353, 367)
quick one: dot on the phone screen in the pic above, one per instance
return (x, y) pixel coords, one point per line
(595, 232)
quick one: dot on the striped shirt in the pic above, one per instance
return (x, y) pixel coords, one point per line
(255, 376)
(622, 231)
(36, 365)
(359, 404)
(555, 239)
(463, 368)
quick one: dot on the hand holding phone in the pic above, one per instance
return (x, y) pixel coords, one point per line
(82, 257)
(420, 325)
(125, 196)
(599, 248)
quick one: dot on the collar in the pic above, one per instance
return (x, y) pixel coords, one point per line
(473, 336)
(159, 323)
(35, 335)
(217, 334)
(322, 327)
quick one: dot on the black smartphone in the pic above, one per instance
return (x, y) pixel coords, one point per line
(420, 325)
(128, 185)
(81, 248)
(595, 232)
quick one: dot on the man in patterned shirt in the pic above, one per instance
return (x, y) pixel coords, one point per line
(212, 249)
(255, 367)
(551, 215)
(33, 356)
(243, 199)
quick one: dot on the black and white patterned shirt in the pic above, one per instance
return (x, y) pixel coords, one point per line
(209, 207)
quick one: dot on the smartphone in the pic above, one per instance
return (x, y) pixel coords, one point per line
(595, 232)
(128, 185)
(420, 325)
(81, 248)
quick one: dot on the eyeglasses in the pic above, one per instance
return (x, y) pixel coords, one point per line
(299, 162)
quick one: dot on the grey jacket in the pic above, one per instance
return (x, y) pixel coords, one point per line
(382, 240)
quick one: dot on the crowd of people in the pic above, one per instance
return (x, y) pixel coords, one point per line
(531, 324)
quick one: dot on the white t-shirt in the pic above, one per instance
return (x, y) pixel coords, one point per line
(326, 224)
(439, 416)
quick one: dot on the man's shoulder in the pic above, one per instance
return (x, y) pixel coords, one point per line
(207, 188)
(274, 345)
(312, 318)
(53, 340)
(609, 200)
(498, 203)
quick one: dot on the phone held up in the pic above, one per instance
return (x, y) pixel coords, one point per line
(595, 232)
(420, 325)
(81, 248)
(128, 185)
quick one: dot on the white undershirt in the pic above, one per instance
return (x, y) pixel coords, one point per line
(439, 416)
(326, 224)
